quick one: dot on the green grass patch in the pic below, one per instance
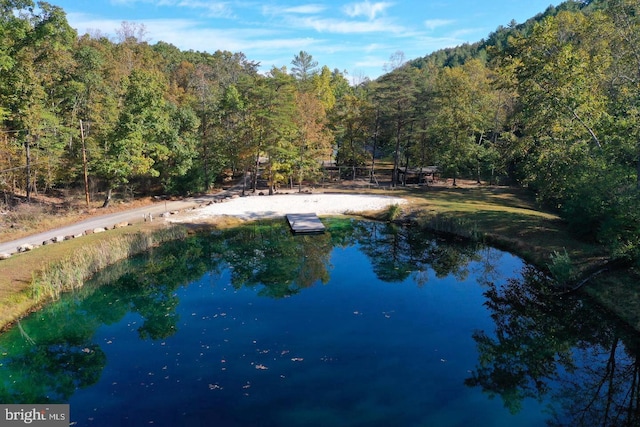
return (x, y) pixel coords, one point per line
(505, 217)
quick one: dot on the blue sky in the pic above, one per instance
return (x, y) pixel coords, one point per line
(358, 37)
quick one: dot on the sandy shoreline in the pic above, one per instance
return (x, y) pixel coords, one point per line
(257, 207)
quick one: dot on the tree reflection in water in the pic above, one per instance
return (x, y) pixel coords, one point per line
(398, 252)
(563, 347)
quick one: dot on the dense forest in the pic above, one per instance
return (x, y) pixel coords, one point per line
(552, 105)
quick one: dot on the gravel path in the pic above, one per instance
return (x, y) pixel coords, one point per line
(103, 221)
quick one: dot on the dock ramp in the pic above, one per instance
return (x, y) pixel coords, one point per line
(306, 223)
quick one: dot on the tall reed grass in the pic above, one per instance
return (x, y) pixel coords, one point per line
(393, 212)
(71, 272)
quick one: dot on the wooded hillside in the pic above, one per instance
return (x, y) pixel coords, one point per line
(552, 104)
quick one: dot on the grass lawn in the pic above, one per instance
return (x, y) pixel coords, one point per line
(508, 218)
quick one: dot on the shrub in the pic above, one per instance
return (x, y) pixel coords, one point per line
(561, 267)
(393, 212)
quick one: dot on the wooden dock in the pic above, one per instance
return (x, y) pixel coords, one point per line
(306, 223)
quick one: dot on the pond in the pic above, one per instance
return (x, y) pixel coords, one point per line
(365, 325)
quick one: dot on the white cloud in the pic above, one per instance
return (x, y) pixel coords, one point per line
(212, 8)
(218, 9)
(468, 33)
(366, 9)
(310, 16)
(84, 23)
(370, 62)
(337, 26)
(421, 46)
(373, 47)
(432, 24)
(189, 35)
(186, 35)
(309, 9)
(279, 11)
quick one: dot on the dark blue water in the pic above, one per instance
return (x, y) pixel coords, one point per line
(266, 329)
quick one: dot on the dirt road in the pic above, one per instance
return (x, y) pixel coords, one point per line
(107, 221)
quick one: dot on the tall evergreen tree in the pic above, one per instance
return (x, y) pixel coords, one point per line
(304, 66)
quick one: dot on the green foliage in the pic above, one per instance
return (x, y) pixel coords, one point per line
(393, 212)
(620, 229)
(561, 267)
(303, 66)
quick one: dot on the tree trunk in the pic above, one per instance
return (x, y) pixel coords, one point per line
(396, 156)
(244, 179)
(27, 153)
(271, 180)
(299, 174)
(254, 177)
(373, 149)
(107, 198)
(205, 152)
(638, 169)
(84, 167)
(406, 169)
(407, 156)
